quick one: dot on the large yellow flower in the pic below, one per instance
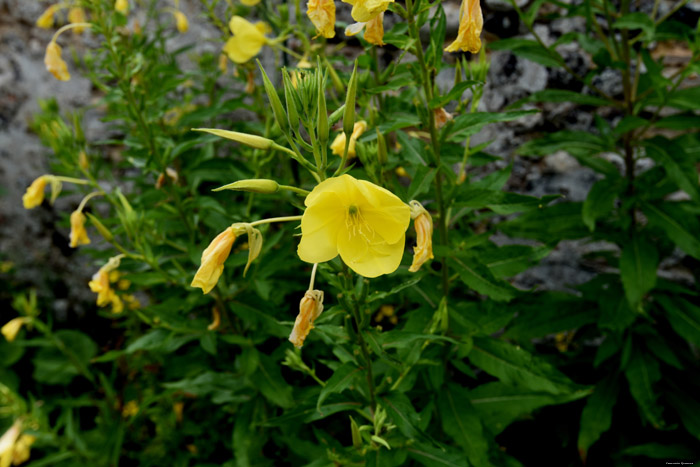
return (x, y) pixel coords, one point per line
(247, 39)
(471, 21)
(365, 10)
(322, 14)
(362, 222)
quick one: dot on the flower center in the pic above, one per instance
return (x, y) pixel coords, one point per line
(356, 224)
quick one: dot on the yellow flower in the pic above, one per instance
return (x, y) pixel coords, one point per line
(12, 327)
(122, 6)
(322, 14)
(310, 308)
(23, 449)
(250, 2)
(100, 284)
(213, 259)
(78, 234)
(8, 442)
(471, 21)
(247, 39)
(423, 251)
(54, 63)
(365, 10)
(45, 21)
(130, 409)
(338, 144)
(181, 21)
(83, 162)
(35, 193)
(362, 222)
(374, 32)
(77, 15)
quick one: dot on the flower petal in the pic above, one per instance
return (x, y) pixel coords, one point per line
(379, 258)
(384, 212)
(319, 229)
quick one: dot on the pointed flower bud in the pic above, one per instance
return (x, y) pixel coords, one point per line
(423, 251)
(35, 193)
(181, 21)
(310, 308)
(78, 234)
(257, 185)
(253, 141)
(54, 63)
(12, 327)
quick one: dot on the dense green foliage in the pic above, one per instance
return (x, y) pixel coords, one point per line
(451, 365)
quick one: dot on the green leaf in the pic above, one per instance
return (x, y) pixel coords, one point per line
(675, 223)
(69, 358)
(576, 143)
(468, 120)
(530, 50)
(596, 417)
(637, 20)
(510, 260)
(638, 263)
(462, 423)
(431, 457)
(548, 313)
(683, 316)
(377, 295)
(160, 340)
(411, 149)
(600, 201)
(515, 366)
(642, 373)
(421, 182)
(662, 451)
(454, 94)
(679, 167)
(341, 379)
(268, 379)
(498, 405)
(562, 95)
(549, 225)
(479, 278)
(688, 409)
(401, 411)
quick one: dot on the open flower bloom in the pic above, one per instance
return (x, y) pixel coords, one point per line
(359, 220)
(471, 21)
(45, 21)
(374, 32)
(35, 193)
(213, 259)
(247, 39)
(122, 6)
(54, 63)
(12, 327)
(338, 144)
(322, 14)
(181, 21)
(365, 10)
(77, 15)
(78, 234)
(423, 251)
(310, 308)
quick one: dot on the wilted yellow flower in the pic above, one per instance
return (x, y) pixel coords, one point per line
(8, 442)
(322, 15)
(12, 327)
(78, 234)
(374, 32)
(77, 15)
(22, 450)
(100, 284)
(181, 21)
(364, 223)
(471, 21)
(338, 144)
(45, 21)
(441, 117)
(54, 63)
(35, 193)
(122, 6)
(310, 308)
(423, 251)
(247, 39)
(213, 259)
(365, 10)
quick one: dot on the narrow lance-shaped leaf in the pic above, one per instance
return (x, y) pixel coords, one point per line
(596, 417)
(638, 263)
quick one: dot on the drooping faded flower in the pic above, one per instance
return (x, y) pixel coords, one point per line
(35, 193)
(363, 223)
(12, 328)
(374, 30)
(100, 284)
(338, 144)
(310, 308)
(213, 258)
(471, 22)
(78, 234)
(247, 39)
(366, 10)
(423, 223)
(322, 15)
(54, 63)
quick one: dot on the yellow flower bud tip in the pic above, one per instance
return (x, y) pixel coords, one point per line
(250, 2)
(45, 21)
(178, 408)
(253, 141)
(471, 22)
(258, 185)
(401, 172)
(77, 15)
(247, 39)
(12, 328)
(322, 15)
(423, 223)
(181, 21)
(83, 160)
(78, 234)
(8, 441)
(35, 193)
(441, 117)
(54, 63)
(223, 63)
(310, 308)
(363, 223)
(338, 144)
(216, 319)
(213, 259)
(122, 6)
